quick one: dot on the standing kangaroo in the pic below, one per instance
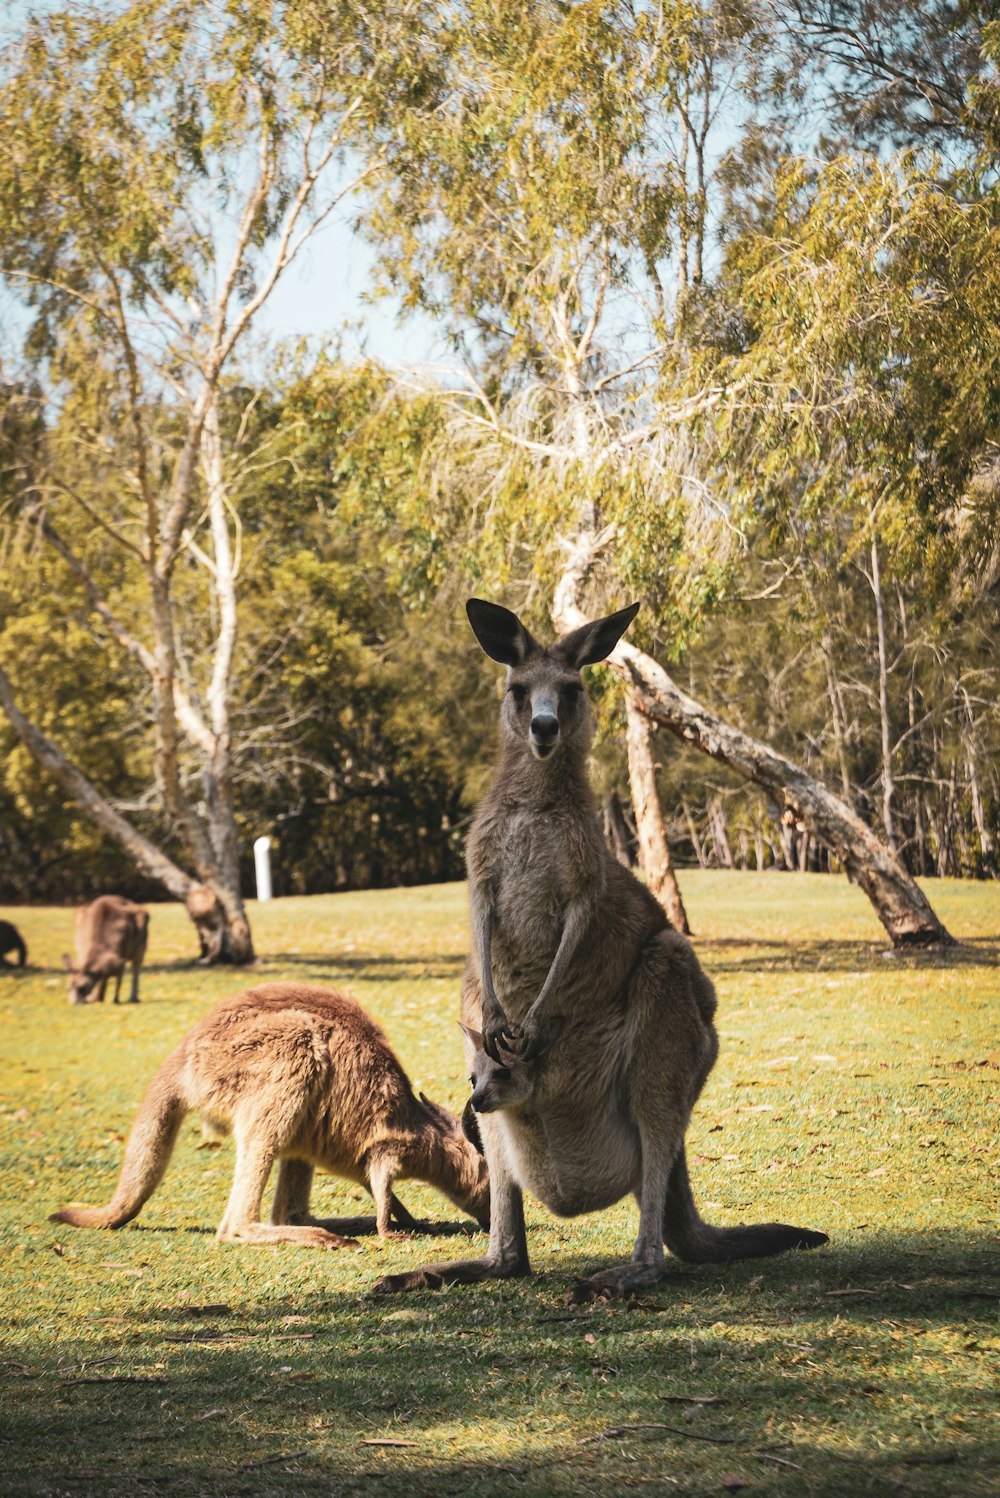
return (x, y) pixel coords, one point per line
(300, 1074)
(107, 934)
(574, 961)
(11, 940)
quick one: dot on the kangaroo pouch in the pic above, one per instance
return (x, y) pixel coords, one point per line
(573, 1163)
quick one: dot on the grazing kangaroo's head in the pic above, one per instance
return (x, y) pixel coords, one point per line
(544, 706)
(81, 983)
(467, 1181)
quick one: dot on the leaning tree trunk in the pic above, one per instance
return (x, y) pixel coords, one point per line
(899, 904)
(205, 902)
(654, 849)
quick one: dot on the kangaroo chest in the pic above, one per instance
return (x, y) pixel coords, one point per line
(536, 864)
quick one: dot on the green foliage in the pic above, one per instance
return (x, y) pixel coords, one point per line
(865, 390)
(526, 174)
(362, 720)
(123, 129)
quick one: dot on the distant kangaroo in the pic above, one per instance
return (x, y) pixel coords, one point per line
(108, 933)
(574, 961)
(209, 921)
(302, 1075)
(11, 940)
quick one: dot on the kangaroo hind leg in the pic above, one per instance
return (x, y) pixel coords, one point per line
(670, 1048)
(507, 1255)
(255, 1153)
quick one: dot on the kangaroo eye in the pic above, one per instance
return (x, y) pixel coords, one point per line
(472, 1081)
(518, 692)
(502, 1074)
(573, 691)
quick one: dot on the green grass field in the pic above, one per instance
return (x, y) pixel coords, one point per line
(855, 1092)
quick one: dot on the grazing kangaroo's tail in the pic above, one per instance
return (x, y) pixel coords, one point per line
(147, 1153)
(690, 1238)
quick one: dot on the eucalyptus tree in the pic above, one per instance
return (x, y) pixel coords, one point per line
(553, 206)
(161, 167)
(868, 430)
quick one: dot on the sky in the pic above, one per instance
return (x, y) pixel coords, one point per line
(322, 293)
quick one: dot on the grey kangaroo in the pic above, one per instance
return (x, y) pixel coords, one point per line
(302, 1075)
(11, 940)
(108, 933)
(574, 966)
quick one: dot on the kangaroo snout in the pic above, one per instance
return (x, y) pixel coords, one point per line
(543, 734)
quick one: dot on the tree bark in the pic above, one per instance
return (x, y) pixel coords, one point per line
(888, 783)
(720, 837)
(616, 830)
(696, 842)
(899, 904)
(654, 849)
(836, 711)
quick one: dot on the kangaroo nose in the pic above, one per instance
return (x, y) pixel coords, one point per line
(545, 728)
(481, 1100)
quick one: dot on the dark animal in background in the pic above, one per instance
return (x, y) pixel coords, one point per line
(575, 969)
(302, 1075)
(11, 940)
(108, 933)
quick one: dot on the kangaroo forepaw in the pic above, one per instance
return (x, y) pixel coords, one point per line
(534, 1040)
(617, 1283)
(500, 1036)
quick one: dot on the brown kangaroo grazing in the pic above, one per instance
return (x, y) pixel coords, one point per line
(107, 934)
(575, 967)
(302, 1075)
(11, 940)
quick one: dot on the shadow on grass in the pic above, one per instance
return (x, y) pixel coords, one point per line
(734, 955)
(720, 955)
(442, 965)
(391, 969)
(805, 1374)
(351, 1227)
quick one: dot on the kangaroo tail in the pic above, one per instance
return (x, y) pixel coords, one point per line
(147, 1153)
(689, 1237)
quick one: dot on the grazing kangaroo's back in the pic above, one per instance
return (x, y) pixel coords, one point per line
(11, 940)
(575, 968)
(300, 1074)
(108, 933)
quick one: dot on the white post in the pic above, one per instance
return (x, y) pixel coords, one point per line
(262, 867)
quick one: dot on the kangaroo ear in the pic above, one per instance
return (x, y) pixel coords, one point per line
(499, 632)
(594, 642)
(474, 1036)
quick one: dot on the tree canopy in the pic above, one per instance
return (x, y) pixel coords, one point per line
(720, 281)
